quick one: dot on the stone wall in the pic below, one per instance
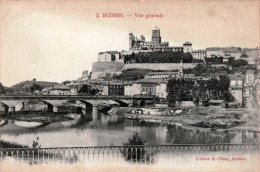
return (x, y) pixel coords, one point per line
(158, 66)
(107, 66)
(99, 69)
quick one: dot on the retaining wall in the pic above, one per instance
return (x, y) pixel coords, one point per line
(158, 66)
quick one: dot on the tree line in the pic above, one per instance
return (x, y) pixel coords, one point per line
(180, 89)
(159, 57)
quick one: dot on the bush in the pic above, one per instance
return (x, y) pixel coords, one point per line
(238, 63)
(138, 153)
(132, 74)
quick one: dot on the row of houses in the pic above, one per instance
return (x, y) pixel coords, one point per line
(225, 52)
(63, 89)
(154, 83)
(249, 55)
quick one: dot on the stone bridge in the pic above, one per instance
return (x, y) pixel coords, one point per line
(53, 101)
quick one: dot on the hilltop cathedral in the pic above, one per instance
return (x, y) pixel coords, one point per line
(156, 44)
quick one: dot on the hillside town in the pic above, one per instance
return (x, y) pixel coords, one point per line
(167, 95)
(129, 86)
(148, 66)
(169, 85)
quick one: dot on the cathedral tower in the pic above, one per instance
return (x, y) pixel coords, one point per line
(156, 38)
(131, 40)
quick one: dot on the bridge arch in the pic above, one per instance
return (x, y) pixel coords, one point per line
(122, 103)
(25, 104)
(3, 107)
(12, 104)
(142, 103)
(87, 104)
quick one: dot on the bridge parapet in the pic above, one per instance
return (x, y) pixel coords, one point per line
(127, 154)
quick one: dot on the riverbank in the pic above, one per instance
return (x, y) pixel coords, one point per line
(5, 144)
(41, 117)
(202, 117)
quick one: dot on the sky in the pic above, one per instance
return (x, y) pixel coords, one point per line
(58, 40)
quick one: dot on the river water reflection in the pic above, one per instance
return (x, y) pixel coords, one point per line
(107, 130)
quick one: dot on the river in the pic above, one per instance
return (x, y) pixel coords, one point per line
(110, 130)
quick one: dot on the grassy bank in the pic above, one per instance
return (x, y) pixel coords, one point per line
(5, 144)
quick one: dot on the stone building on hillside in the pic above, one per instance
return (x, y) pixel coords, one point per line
(187, 47)
(113, 88)
(141, 45)
(108, 56)
(237, 87)
(59, 90)
(166, 75)
(214, 51)
(199, 54)
(250, 77)
(155, 87)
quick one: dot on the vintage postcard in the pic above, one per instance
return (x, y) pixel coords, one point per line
(132, 85)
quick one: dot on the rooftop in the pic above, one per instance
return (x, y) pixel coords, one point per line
(113, 83)
(109, 52)
(213, 48)
(199, 51)
(187, 43)
(166, 47)
(216, 101)
(151, 80)
(59, 87)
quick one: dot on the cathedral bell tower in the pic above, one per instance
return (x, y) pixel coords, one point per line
(131, 40)
(156, 37)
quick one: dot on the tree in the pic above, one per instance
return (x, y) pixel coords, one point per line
(2, 90)
(224, 83)
(107, 76)
(238, 63)
(135, 153)
(159, 57)
(34, 87)
(114, 76)
(187, 58)
(228, 97)
(136, 139)
(179, 90)
(87, 89)
(132, 74)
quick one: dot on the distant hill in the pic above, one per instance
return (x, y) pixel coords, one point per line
(25, 86)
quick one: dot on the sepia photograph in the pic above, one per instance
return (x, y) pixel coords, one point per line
(134, 85)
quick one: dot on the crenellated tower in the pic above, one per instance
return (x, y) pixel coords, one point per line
(156, 35)
(131, 40)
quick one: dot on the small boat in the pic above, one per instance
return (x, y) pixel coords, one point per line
(28, 124)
